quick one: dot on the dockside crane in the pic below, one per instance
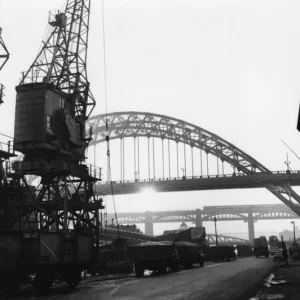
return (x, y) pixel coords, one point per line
(61, 215)
(6, 148)
(52, 106)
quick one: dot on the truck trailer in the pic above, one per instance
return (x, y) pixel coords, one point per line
(154, 256)
(219, 253)
(189, 253)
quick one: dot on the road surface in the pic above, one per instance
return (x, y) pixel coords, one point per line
(219, 281)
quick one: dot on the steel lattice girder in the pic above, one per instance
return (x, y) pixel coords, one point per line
(4, 54)
(111, 233)
(137, 124)
(60, 204)
(223, 239)
(141, 124)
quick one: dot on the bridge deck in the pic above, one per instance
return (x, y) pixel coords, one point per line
(257, 180)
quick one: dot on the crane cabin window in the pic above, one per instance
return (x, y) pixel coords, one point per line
(48, 126)
(61, 103)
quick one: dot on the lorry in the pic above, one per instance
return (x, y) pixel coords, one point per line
(113, 257)
(189, 253)
(260, 247)
(278, 255)
(39, 258)
(192, 240)
(220, 253)
(154, 256)
(274, 244)
(194, 234)
(244, 250)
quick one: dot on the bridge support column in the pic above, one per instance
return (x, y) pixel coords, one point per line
(148, 223)
(251, 227)
(198, 218)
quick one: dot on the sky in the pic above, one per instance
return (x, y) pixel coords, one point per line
(231, 67)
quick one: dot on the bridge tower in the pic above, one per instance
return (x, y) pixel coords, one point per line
(148, 223)
(251, 225)
(198, 218)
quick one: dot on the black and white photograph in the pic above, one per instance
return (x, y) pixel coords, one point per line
(149, 149)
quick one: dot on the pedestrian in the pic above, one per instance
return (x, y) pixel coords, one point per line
(291, 251)
(285, 255)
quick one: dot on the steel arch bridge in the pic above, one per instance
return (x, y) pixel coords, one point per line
(245, 213)
(223, 213)
(121, 125)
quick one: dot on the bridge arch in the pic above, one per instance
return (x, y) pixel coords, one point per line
(120, 125)
(142, 124)
(222, 216)
(175, 219)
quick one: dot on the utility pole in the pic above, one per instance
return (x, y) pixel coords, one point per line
(215, 220)
(293, 222)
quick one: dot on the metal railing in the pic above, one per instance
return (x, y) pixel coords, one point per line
(7, 147)
(94, 171)
(234, 175)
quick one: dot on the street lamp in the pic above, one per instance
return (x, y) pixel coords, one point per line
(215, 220)
(136, 175)
(287, 162)
(293, 222)
(183, 173)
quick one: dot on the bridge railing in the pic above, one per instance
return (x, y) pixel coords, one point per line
(234, 175)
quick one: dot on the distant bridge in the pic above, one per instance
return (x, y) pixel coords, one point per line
(109, 234)
(246, 213)
(208, 146)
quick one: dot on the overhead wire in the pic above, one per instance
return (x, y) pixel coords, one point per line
(106, 121)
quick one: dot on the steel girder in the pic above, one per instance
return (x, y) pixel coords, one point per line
(134, 124)
(59, 204)
(141, 124)
(108, 234)
(259, 208)
(4, 54)
(228, 240)
(221, 217)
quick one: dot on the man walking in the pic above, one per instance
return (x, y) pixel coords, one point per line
(285, 255)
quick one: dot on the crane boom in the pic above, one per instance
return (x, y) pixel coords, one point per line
(4, 56)
(62, 58)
